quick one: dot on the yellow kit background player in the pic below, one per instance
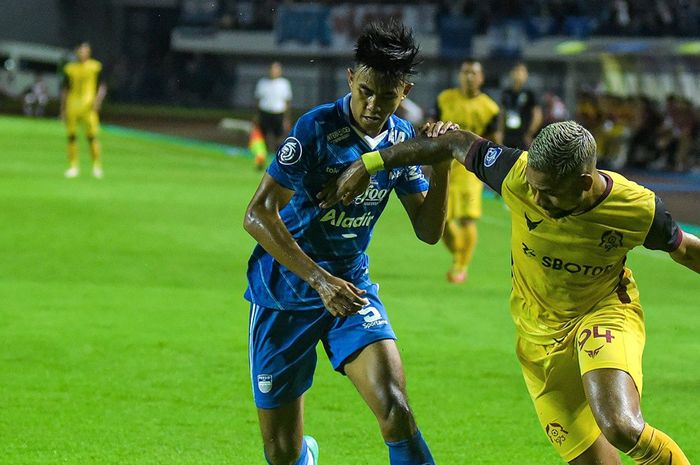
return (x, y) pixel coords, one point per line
(81, 100)
(580, 326)
(476, 112)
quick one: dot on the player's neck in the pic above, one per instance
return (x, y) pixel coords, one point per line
(598, 190)
(469, 94)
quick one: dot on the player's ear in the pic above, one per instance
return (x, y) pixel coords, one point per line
(407, 88)
(351, 77)
(586, 181)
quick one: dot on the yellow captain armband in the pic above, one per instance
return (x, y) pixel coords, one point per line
(373, 162)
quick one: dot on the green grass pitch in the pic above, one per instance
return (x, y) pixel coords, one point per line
(123, 331)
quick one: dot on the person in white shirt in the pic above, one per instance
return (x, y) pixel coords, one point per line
(273, 95)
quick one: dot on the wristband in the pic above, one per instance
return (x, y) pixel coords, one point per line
(373, 162)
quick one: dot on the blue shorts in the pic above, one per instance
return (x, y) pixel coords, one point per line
(282, 345)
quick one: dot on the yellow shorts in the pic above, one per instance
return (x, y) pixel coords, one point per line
(608, 337)
(88, 118)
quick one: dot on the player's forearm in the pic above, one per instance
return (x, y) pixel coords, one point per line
(101, 94)
(268, 229)
(536, 121)
(688, 254)
(429, 223)
(429, 151)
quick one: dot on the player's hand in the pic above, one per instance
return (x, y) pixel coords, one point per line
(438, 128)
(340, 297)
(351, 183)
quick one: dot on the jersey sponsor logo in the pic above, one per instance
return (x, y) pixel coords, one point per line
(492, 155)
(265, 383)
(338, 135)
(531, 224)
(556, 432)
(528, 251)
(373, 195)
(611, 240)
(372, 318)
(342, 221)
(290, 152)
(396, 137)
(557, 264)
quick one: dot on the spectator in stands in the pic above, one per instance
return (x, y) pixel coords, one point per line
(645, 133)
(36, 97)
(273, 95)
(521, 114)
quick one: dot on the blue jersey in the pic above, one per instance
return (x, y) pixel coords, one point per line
(320, 146)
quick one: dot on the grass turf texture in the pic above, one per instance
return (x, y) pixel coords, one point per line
(123, 334)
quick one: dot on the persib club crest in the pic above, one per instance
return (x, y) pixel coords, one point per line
(556, 432)
(265, 383)
(290, 152)
(491, 156)
(610, 240)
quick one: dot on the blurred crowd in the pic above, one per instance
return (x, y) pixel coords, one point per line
(540, 17)
(637, 132)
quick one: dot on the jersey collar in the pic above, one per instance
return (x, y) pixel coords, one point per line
(372, 142)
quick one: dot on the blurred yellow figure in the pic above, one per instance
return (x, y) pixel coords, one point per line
(478, 113)
(81, 100)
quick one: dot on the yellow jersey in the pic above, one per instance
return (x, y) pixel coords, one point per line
(476, 114)
(564, 268)
(81, 81)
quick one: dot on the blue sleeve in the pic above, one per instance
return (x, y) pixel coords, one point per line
(412, 179)
(297, 155)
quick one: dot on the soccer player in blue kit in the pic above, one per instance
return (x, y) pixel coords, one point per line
(308, 277)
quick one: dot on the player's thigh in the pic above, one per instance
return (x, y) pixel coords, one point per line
(70, 119)
(553, 380)
(282, 353)
(613, 336)
(92, 123)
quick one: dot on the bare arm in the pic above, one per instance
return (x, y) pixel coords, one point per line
(100, 96)
(688, 253)
(424, 151)
(427, 211)
(263, 222)
(534, 124)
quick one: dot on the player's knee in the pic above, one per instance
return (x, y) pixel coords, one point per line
(278, 453)
(395, 417)
(622, 431)
(71, 138)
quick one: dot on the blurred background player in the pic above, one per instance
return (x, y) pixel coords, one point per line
(273, 95)
(81, 100)
(477, 112)
(36, 98)
(521, 115)
(308, 277)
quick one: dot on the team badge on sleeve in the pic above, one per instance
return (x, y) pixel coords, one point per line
(491, 156)
(290, 151)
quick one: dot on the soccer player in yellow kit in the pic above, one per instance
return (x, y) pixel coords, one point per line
(81, 100)
(474, 111)
(580, 325)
